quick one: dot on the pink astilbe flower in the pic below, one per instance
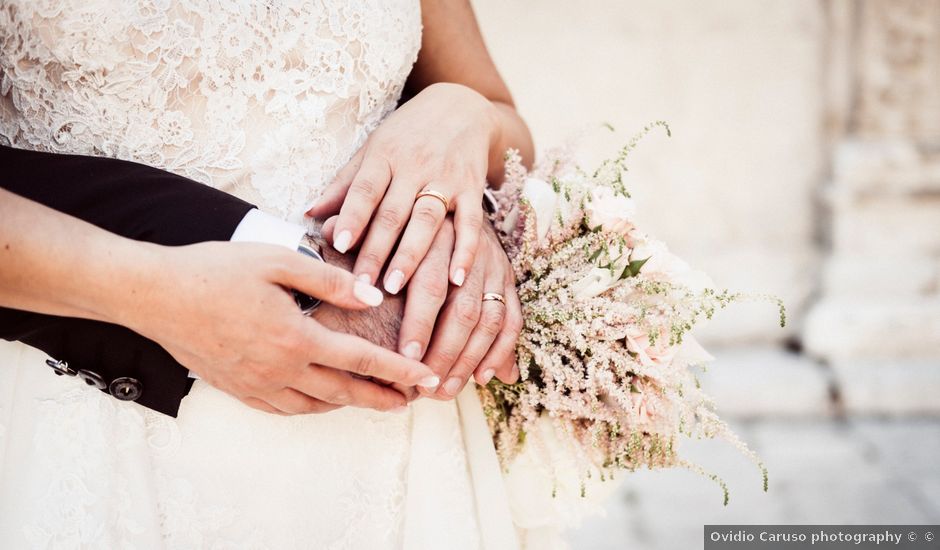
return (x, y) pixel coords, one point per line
(602, 333)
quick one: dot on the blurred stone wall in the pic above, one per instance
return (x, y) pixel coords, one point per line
(880, 286)
(805, 160)
(875, 321)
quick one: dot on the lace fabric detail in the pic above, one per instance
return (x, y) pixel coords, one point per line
(262, 99)
(73, 504)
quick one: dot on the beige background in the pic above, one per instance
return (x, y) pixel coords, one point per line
(739, 83)
(805, 162)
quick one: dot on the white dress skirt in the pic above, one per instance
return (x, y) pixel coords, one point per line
(79, 469)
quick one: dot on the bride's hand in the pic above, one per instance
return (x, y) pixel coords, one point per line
(440, 140)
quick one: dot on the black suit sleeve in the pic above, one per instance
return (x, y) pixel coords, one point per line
(134, 201)
(130, 199)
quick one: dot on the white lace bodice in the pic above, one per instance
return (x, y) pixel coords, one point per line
(264, 99)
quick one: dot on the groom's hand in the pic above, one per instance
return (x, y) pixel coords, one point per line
(470, 335)
(221, 309)
(380, 325)
(463, 335)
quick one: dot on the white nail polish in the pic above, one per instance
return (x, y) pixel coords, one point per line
(394, 281)
(412, 350)
(364, 277)
(459, 276)
(487, 376)
(429, 382)
(367, 294)
(342, 241)
(452, 386)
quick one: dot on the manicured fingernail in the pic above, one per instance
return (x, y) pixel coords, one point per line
(487, 376)
(342, 241)
(429, 382)
(452, 386)
(399, 410)
(364, 277)
(412, 350)
(393, 281)
(459, 276)
(367, 294)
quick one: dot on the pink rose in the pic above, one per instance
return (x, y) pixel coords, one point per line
(649, 355)
(610, 210)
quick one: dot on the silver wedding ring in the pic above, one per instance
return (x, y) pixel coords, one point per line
(494, 296)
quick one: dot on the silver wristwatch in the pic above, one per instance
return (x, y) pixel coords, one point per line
(308, 304)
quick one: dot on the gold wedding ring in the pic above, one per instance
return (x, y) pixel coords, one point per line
(428, 192)
(494, 296)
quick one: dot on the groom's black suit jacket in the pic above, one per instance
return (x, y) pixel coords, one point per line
(135, 201)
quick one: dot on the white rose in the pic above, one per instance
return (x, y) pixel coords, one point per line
(543, 200)
(595, 282)
(691, 353)
(661, 260)
(609, 209)
(671, 267)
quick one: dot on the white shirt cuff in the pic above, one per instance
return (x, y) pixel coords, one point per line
(258, 227)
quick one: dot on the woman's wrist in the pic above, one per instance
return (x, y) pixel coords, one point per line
(68, 267)
(481, 110)
(500, 122)
(511, 133)
(119, 289)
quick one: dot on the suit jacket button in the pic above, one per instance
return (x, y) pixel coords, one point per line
(60, 367)
(126, 389)
(92, 379)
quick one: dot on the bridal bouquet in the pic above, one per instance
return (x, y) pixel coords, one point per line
(606, 359)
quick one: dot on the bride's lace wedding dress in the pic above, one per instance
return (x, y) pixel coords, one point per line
(265, 100)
